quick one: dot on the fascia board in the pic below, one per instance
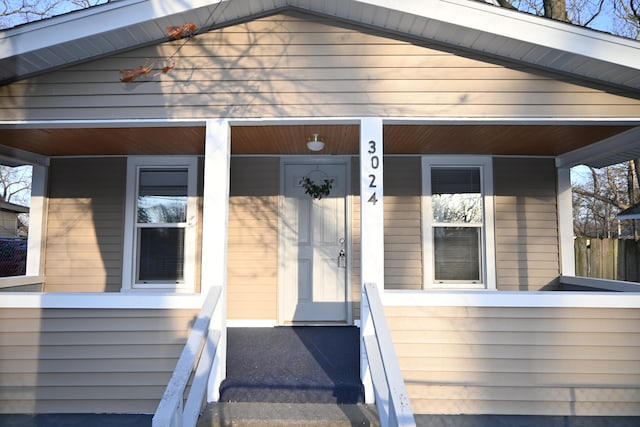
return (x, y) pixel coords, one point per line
(101, 19)
(626, 142)
(522, 27)
(468, 16)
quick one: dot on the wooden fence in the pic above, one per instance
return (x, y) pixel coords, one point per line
(608, 258)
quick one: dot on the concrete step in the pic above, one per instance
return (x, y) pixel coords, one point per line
(241, 414)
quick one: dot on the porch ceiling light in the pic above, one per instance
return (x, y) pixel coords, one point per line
(315, 142)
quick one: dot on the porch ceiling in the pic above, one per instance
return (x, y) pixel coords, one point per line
(536, 140)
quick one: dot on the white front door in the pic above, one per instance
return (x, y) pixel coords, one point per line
(314, 245)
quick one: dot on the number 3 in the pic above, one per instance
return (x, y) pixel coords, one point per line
(372, 147)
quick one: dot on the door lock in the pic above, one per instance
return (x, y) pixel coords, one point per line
(342, 259)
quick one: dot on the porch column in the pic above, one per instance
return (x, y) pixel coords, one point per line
(371, 231)
(565, 223)
(37, 221)
(371, 203)
(215, 215)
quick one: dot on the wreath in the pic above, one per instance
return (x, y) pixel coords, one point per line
(316, 191)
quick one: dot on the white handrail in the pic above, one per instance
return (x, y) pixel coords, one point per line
(392, 400)
(601, 284)
(16, 281)
(198, 353)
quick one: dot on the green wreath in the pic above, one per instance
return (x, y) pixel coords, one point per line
(316, 191)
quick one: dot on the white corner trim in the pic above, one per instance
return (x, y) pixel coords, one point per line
(542, 299)
(95, 300)
(565, 222)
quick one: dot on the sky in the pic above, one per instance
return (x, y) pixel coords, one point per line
(63, 6)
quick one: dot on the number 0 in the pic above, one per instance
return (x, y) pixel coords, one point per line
(375, 162)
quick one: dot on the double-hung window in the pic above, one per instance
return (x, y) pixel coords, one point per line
(160, 224)
(458, 222)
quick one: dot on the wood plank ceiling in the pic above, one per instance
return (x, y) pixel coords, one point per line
(534, 140)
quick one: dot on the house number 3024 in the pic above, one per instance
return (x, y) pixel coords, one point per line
(374, 162)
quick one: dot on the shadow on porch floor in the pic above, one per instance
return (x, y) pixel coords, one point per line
(297, 364)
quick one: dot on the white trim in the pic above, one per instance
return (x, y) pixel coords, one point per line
(328, 120)
(108, 300)
(523, 27)
(134, 163)
(488, 262)
(37, 221)
(565, 223)
(542, 299)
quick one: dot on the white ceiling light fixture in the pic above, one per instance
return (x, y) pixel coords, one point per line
(315, 142)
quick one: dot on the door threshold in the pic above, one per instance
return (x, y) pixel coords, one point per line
(316, 323)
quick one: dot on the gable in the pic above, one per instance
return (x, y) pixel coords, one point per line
(475, 26)
(303, 66)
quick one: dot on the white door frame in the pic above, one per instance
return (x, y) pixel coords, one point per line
(314, 160)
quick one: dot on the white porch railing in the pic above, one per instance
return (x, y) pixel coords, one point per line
(199, 354)
(601, 284)
(392, 400)
(14, 283)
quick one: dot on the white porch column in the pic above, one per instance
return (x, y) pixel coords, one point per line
(565, 223)
(37, 221)
(215, 215)
(371, 202)
(371, 230)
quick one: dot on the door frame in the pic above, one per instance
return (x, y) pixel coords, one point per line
(315, 160)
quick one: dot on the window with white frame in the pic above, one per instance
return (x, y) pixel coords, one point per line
(458, 222)
(160, 224)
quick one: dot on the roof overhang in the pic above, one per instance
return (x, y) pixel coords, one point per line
(632, 213)
(615, 149)
(276, 138)
(126, 24)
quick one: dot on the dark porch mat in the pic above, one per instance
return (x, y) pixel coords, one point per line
(298, 364)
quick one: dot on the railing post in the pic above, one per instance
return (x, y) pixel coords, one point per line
(397, 410)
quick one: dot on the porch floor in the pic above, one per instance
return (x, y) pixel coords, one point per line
(297, 364)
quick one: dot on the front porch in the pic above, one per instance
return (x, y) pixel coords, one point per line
(239, 224)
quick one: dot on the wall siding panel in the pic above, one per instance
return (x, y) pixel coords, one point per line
(526, 224)
(88, 361)
(402, 223)
(85, 225)
(252, 269)
(271, 67)
(544, 361)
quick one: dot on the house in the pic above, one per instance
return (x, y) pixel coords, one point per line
(9, 225)
(449, 130)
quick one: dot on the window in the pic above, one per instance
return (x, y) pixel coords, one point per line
(160, 224)
(458, 222)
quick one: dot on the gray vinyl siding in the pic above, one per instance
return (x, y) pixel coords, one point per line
(85, 225)
(402, 228)
(303, 66)
(252, 272)
(88, 361)
(526, 224)
(544, 361)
